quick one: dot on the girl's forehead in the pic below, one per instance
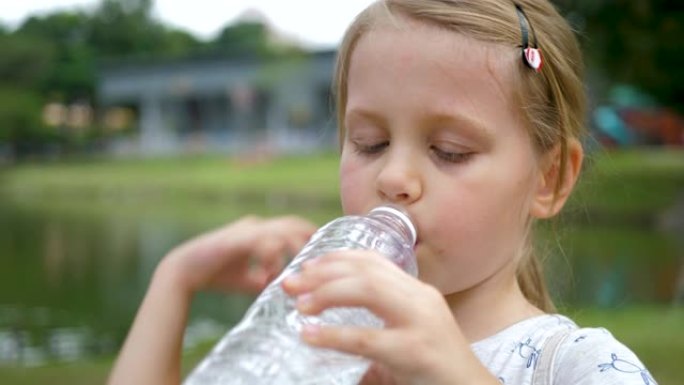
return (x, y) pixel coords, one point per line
(417, 52)
(412, 41)
(422, 71)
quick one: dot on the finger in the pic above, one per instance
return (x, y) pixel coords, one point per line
(296, 242)
(378, 345)
(244, 235)
(377, 374)
(353, 278)
(360, 259)
(238, 275)
(283, 238)
(316, 272)
(234, 241)
(295, 228)
(375, 294)
(253, 282)
(350, 261)
(269, 255)
(293, 231)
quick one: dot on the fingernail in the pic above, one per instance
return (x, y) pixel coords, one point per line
(304, 302)
(293, 280)
(309, 263)
(310, 332)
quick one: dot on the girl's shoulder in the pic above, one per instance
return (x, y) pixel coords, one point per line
(592, 355)
(581, 356)
(528, 334)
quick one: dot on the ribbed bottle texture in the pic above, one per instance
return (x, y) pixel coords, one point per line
(265, 347)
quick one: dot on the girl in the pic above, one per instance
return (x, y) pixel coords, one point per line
(468, 114)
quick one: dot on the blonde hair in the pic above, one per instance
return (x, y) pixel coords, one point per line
(552, 102)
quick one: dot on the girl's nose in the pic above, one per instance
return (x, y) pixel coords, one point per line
(399, 181)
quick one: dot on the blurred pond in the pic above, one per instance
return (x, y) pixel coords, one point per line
(73, 276)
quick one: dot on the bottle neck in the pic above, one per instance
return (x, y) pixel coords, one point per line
(397, 219)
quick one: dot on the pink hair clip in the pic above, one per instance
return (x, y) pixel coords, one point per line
(531, 55)
(533, 58)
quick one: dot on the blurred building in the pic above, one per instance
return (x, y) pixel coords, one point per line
(219, 105)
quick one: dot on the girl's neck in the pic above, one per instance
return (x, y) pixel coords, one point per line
(490, 306)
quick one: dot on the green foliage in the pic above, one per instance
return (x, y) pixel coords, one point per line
(24, 61)
(20, 117)
(635, 41)
(126, 28)
(243, 39)
(249, 39)
(71, 74)
(179, 43)
(62, 28)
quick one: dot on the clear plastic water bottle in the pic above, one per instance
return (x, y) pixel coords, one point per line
(265, 347)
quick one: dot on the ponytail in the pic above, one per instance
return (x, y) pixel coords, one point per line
(531, 280)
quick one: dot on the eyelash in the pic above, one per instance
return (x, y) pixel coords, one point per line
(445, 156)
(371, 149)
(451, 157)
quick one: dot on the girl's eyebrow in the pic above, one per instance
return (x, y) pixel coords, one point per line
(471, 126)
(362, 113)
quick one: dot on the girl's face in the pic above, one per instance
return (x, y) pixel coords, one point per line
(431, 126)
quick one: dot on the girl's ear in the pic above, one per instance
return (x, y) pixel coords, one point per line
(552, 193)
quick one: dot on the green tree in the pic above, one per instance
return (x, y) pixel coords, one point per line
(71, 76)
(243, 39)
(24, 61)
(251, 39)
(125, 28)
(635, 41)
(81, 41)
(21, 125)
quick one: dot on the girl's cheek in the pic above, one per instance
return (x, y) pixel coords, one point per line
(353, 187)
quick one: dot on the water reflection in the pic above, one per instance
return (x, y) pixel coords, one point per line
(614, 265)
(73, 277)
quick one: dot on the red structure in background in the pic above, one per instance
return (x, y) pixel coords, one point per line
(658, 126)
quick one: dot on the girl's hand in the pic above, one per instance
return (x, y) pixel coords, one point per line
(421, 342)
(244, 255)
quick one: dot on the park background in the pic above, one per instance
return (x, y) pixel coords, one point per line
(121, 136)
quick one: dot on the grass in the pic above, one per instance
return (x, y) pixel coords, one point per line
(79, 373)
(630, 183)
(204, 178)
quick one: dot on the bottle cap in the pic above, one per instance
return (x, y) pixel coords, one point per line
(403, 216)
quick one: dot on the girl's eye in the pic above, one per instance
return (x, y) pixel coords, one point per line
(370, 149)
(451, 157)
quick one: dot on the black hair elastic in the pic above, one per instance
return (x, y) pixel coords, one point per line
(531, 55)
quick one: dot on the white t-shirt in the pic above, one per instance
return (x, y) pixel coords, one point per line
(587, 356)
